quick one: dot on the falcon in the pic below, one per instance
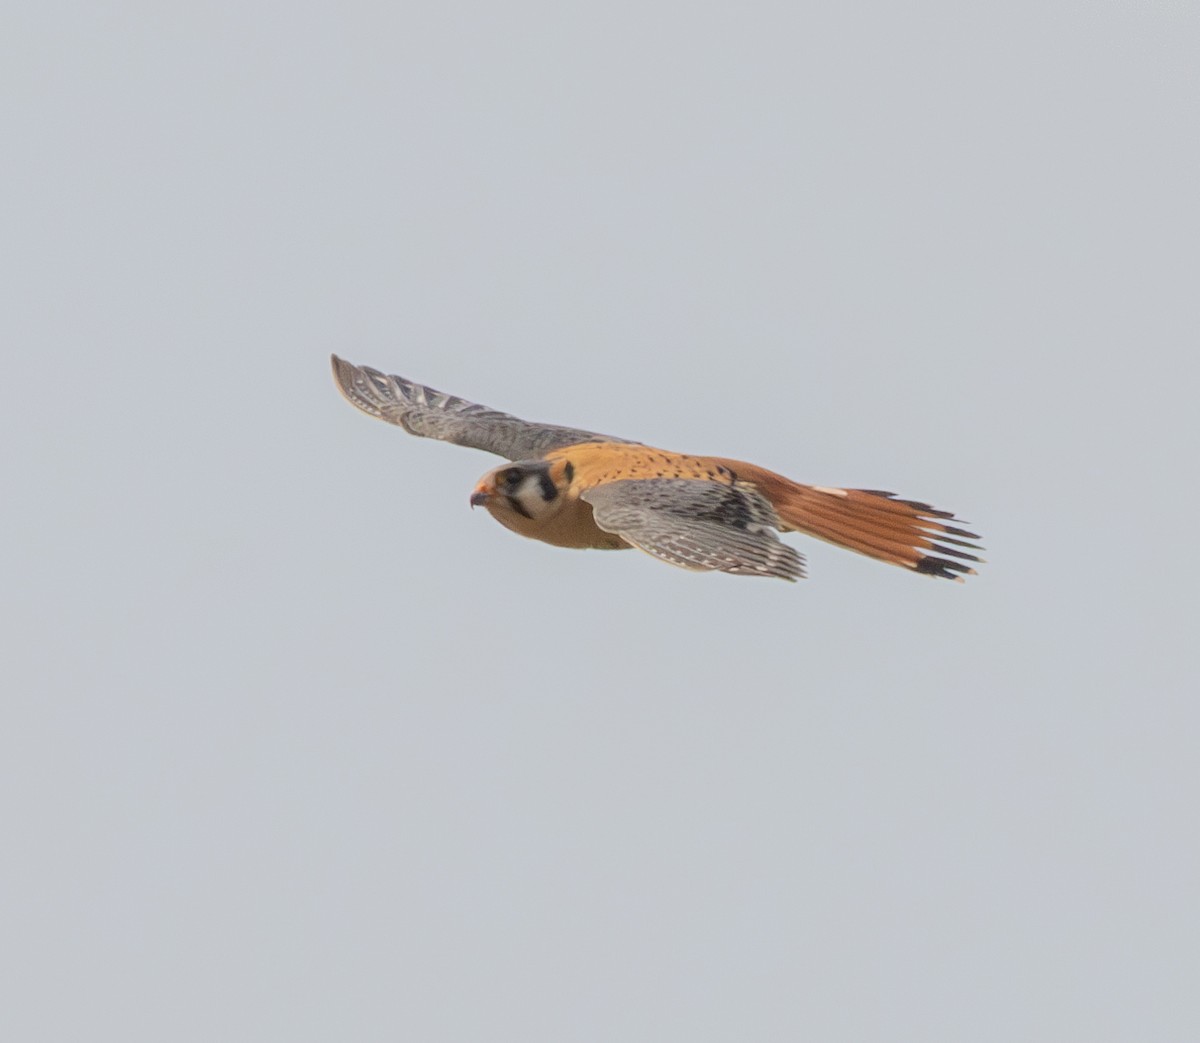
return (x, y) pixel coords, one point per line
(574, 488)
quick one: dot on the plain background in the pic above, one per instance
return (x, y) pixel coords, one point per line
(294, 746)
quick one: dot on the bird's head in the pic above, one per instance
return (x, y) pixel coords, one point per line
(523, 494)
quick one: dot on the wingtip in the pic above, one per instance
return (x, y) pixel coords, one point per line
(353, 385)
(338, 367)
(343, 376)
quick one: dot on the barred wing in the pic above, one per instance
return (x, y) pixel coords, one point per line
(432, 414)
(697, 524)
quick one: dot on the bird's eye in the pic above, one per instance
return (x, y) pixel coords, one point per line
(512, 477)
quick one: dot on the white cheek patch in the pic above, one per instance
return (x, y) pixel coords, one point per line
(529, 495)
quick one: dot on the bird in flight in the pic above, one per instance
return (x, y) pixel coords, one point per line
(574, 488)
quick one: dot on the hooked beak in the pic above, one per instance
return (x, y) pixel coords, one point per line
(479, 498)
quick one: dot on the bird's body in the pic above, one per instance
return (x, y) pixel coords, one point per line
(574, 488)
(594, 464)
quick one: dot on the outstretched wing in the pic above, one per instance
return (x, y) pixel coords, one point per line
(697, 524)
(433, 414)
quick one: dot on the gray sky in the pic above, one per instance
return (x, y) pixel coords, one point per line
(295, 746)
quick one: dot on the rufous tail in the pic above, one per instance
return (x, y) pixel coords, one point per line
(874, 523)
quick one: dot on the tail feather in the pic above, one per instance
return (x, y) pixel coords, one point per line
(903, 532)
(857, 532)
(872, 522)
(890, 502)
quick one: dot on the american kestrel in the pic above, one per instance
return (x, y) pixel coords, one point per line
(576, 488)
